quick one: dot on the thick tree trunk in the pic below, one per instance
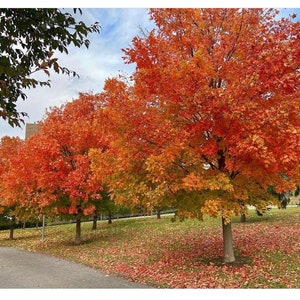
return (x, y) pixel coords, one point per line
(78, 230)
(95, 217)
(228, 253)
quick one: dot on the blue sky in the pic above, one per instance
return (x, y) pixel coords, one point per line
(102, 60)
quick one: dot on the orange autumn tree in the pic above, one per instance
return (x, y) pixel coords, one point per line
(24, 183)
(136, 133)
(226, 84)
(9, 149)
(68, 133)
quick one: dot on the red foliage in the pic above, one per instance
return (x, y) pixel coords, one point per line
(225, 80)
(188, 259)
(70, 133)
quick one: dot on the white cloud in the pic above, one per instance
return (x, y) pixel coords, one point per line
(103, 59)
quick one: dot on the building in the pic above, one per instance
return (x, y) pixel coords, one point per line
(30, 129)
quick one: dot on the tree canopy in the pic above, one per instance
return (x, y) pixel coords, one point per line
(206, 124)
(217, 92)
(28, 42)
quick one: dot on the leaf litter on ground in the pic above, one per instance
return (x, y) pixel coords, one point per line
(182, 254)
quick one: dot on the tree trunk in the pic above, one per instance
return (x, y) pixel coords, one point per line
(243, 218)
(43, 229)
(11, 230)
(95, 217)
(158, 215)
(243, 215)
(228, 253)
(110, 218)
(78, 230)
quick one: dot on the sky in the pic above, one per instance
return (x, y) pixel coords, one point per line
(103, 59)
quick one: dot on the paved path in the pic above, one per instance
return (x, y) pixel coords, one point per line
(23, 269)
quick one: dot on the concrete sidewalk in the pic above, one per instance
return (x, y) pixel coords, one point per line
(23, 269)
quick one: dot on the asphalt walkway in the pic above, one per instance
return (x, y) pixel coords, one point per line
(23, 269)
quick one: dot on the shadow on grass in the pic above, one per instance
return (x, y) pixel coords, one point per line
(218, 261)
(86, 240)
(71, 243)
(20, 238)
(273, 215)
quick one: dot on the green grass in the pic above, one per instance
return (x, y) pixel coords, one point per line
(180, 254)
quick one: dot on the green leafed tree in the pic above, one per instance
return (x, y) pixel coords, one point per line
(29, 38)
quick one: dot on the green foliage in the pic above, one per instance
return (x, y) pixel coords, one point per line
(283, 198)
(297, 192)
(108, 208)
(28, 40)
(5, 223)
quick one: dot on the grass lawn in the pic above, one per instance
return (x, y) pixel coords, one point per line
(180, 254)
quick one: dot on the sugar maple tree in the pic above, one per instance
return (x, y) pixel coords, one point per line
(53, 170)
(222, 89)
(24, 179)
(134, 133)
(9, 149)
(61, 151)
